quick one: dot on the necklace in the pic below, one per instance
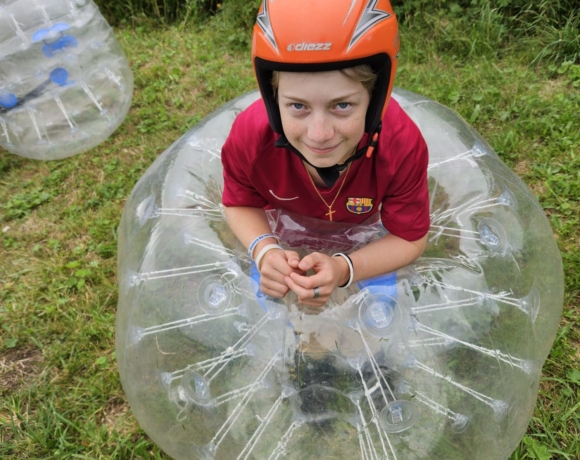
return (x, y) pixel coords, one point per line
(330, 211)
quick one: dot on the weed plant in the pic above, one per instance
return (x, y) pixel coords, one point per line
(559, 40)
(550, 27)
(60, 395)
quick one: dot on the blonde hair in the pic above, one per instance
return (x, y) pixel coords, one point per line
(362, 73)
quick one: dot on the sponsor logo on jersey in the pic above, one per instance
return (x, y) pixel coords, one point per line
(309, 46)
(359, 205)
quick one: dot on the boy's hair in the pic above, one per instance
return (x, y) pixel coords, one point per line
(362, 73)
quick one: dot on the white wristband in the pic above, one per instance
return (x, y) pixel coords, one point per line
(350, 267)
(254, 243)
(263, 252)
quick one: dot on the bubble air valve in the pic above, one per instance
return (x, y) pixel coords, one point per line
(196, 388)
(378, 314)
(213, 296)
(398, 416)
(492, 235)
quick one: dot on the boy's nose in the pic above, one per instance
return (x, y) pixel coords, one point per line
(320, 129)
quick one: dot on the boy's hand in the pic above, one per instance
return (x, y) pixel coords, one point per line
(330, 273)
(275, 267)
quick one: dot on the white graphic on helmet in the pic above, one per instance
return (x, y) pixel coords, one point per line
(349, 11)
(369, 18)
(263, 20)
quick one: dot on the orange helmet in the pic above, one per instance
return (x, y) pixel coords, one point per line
(322, 35)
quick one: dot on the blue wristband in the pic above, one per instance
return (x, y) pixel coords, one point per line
(257, 240)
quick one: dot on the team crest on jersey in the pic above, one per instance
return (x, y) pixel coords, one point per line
(359, 205)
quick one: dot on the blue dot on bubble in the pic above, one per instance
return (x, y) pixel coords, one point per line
(60, 27)
(59, 76)
(39, 35)
(8, 100)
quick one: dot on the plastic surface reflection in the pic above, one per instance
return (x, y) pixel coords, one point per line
(440, 360)
(65, 84)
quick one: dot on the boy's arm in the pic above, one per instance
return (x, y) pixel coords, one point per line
(379, 257)
(385, 255)
(248, 223)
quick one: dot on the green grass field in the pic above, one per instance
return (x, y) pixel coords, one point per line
(60, 395)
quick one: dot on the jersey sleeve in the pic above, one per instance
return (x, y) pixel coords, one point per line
(405, 207)
(238, 154)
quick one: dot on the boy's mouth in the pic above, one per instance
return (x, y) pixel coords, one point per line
(322, 151)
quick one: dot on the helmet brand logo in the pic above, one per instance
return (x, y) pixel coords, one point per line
(309, 46)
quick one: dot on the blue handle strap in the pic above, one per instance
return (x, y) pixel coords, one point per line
(260, 296)
(384, 284)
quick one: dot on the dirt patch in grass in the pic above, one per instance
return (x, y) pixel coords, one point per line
(33, 172)
(552, 87)
(523, 169)
(35, 225)
(537, 188)
(116, 417)
(19, 367)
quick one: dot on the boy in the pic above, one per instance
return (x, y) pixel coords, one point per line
(326, 142)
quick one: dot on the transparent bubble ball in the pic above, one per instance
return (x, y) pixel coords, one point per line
(65, 84)
(441, 359)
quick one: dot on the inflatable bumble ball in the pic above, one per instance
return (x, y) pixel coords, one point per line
(440, 360)
(65, 84)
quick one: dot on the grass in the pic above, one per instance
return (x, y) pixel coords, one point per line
(60, 395)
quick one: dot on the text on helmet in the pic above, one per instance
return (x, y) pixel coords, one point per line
(309, 46)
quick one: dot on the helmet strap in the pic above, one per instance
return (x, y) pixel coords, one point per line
(331, 174)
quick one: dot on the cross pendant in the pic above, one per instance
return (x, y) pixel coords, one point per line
(330, 213)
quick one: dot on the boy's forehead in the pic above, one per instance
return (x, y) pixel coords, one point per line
(321, 82)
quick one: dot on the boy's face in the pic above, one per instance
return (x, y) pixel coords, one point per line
(323, 114)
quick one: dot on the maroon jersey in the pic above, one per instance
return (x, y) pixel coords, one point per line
(393, 181)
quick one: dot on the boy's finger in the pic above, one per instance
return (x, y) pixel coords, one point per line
(277, 267)
(321, 278)
(293, 258)
(302, 281)
(274, 273)
(305, 265)
(306, 296)
(293, 262)
(300, 291)
(309, 261)
(273, 289)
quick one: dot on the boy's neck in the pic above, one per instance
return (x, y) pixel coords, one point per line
(315, 177)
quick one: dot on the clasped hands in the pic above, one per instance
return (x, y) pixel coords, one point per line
(283, 271)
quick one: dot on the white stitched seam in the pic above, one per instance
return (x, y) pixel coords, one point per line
(283, 199)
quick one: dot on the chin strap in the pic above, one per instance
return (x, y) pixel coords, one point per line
(331, 174)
